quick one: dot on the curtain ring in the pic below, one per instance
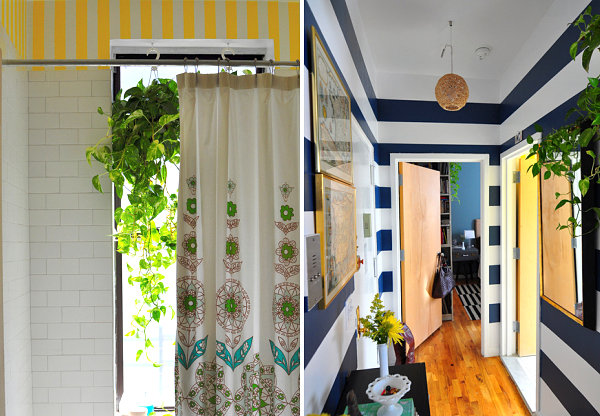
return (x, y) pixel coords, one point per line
(255, 66)
(272, 66)
(197, 62)
(218, 70)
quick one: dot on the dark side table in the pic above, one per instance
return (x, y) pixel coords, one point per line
(358, 380)
(465, 262)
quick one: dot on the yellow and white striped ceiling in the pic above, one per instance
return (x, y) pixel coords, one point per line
(82, 29)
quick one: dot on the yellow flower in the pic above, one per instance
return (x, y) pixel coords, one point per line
(396, 331)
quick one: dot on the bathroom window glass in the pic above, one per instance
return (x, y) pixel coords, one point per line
(138, 381)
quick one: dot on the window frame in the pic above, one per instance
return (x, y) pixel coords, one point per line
(119, 376)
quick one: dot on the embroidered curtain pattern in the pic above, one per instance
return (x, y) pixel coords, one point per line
(238, 292)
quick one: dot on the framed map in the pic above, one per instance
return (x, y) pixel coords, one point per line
(336, 224)
(332, 130)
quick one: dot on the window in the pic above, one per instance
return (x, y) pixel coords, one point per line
(138, 380)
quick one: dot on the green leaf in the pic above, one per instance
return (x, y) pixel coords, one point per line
(591, 154)
(585, 60)
(156, 315)
(138, 354)
(561, 203)
(573, 50)
(584, 185)
(593, 82)
(100, 111)
(154, 151)
(167, 118)
(132, 156)
(134, 116)
(547, 174)
(586, 136)
(114, 175)
(96, 183)
(88, 154)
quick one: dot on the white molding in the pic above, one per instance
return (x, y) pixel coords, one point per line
(508, 265)
(196, 46)
(484, 160)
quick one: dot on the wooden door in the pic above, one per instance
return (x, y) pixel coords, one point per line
(421, 241)
(558, 259)
(527, 264)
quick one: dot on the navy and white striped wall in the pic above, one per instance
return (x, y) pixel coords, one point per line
(537, 88)
(330, 350)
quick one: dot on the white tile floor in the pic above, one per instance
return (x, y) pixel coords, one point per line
(522, 370)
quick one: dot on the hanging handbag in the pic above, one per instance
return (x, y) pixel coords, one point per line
(443, 282)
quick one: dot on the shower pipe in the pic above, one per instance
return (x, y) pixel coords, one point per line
(148, 62)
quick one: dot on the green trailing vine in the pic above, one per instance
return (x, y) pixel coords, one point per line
(559, 152)
(455, 169)
(142, 140)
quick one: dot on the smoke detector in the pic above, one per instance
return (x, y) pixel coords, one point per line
(482, 52)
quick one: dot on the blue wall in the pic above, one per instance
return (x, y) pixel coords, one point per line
(467, 207)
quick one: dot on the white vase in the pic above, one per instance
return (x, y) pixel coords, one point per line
(382, 350)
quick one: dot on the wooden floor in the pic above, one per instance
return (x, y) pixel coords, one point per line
(460, 380)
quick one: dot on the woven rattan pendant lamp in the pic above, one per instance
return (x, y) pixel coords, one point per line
(451, 91)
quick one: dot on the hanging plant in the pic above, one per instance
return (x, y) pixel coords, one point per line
(559, 152)
(455, 169)
(143, 139)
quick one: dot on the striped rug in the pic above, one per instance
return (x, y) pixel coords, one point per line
(470, 296)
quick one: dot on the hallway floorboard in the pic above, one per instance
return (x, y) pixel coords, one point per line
(462, 382)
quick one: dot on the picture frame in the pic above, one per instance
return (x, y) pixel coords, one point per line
(336, 225)
(332, 127)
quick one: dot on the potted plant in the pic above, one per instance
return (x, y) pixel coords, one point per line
(383, 328)
(561, 151)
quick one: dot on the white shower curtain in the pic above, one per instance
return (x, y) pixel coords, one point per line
(238, 292)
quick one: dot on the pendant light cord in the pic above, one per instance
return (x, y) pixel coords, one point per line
(451, 50)
(451, 46)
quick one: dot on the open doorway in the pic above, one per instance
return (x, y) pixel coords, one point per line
(469, 274)
(520, 272)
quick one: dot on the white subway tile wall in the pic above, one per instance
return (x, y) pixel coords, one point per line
(71, 251)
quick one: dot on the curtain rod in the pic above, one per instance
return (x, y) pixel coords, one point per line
(148, 62)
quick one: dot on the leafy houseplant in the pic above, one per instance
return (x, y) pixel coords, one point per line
(142, 140)
(455, 169)
(558, 153)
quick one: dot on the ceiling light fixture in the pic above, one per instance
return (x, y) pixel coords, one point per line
(451, 91)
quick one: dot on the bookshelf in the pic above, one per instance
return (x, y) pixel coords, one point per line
(445, 227)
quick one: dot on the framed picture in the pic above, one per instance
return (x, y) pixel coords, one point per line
(336, 224)
(332, 129)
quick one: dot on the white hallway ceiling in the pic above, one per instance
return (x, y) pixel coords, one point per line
(407, 36)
